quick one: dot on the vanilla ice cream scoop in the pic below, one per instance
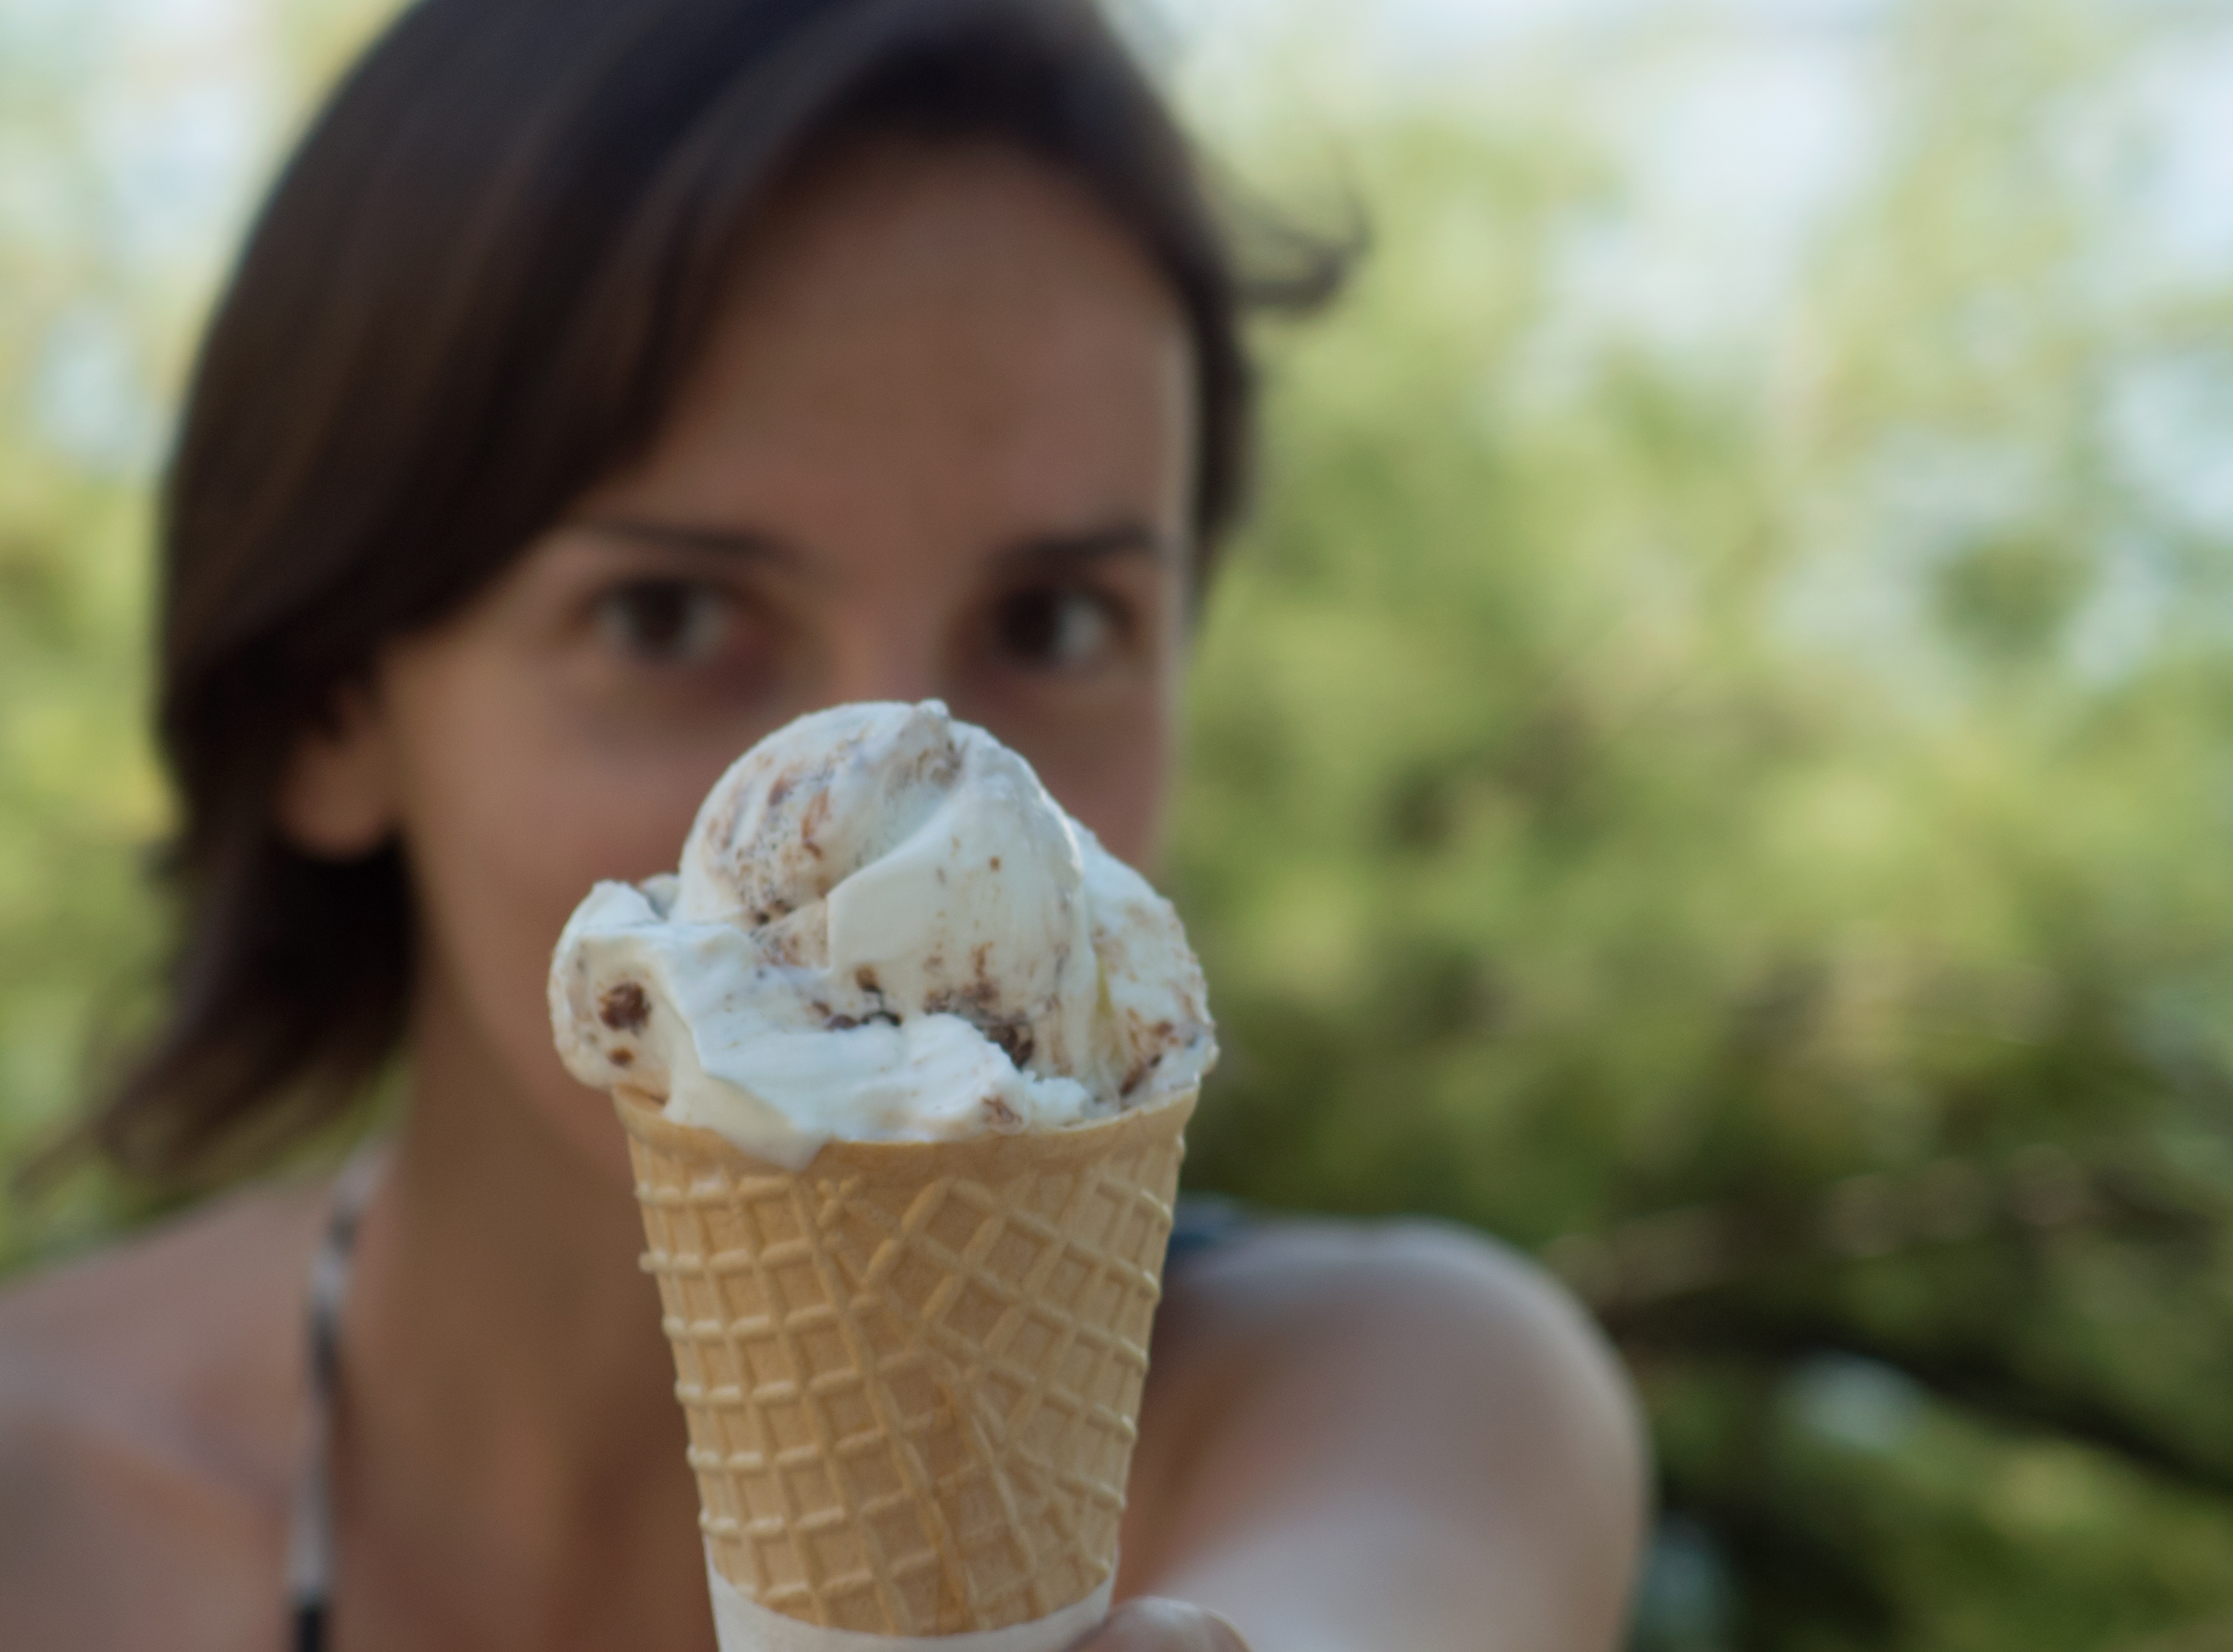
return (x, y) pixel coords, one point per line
(883, 928)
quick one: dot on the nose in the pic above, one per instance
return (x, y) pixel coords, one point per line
(888, 649)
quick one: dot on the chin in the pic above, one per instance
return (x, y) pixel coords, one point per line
(580, 1123)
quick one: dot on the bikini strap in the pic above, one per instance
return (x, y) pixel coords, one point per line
(310, 1523)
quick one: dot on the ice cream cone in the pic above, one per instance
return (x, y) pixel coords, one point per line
(912, 1370)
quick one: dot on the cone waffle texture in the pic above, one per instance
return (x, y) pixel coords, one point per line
(912, 1369)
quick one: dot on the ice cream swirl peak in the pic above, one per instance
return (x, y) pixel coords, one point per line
(883, 927)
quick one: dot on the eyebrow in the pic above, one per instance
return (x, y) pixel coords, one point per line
(1127, 538)
(722, 541)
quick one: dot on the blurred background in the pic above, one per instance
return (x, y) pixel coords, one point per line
(1712, 764)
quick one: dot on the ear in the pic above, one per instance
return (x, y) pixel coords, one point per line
(337, 797)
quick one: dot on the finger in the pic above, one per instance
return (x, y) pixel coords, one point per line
(1152, 1625)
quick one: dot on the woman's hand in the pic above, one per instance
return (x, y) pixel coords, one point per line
(1150, 1625)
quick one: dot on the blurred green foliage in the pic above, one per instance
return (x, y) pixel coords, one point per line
(1744, 818)
(78, 799)
(1751, 821)
(108, 251)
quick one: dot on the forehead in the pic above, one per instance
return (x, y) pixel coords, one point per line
(912, 321)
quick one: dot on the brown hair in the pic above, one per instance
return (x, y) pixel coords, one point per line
(475, 286)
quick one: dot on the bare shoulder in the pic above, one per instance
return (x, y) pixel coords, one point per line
(1418, 1296)
(150, 1411)
(1413, 1380)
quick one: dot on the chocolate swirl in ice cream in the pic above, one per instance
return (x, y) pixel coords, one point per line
(883, 927)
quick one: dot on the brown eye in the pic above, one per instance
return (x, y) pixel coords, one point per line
(664, 621)
(1058, 627)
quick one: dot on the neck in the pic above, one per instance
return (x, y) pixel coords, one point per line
(509, 1438)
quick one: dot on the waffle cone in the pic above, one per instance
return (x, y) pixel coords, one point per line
(911, 1370)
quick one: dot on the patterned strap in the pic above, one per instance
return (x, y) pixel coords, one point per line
(310, 1525)
(1203, 1222)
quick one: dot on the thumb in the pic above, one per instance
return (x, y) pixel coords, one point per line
(1152, 1625)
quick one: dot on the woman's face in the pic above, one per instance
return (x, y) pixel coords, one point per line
(941, 445)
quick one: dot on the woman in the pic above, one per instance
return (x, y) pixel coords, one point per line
(607, 382)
